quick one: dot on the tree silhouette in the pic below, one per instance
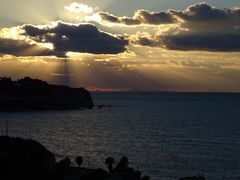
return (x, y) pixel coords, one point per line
(109, 163)
(146, 178)
(122, 164)
(79, 161)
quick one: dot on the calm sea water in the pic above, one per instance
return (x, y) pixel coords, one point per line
(165, 135)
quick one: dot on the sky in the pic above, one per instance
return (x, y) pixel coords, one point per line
(120, 45)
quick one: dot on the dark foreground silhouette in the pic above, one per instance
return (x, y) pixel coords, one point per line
(200, 177)
(33, 94)
(29, 160)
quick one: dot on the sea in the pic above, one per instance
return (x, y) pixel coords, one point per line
(164, 135)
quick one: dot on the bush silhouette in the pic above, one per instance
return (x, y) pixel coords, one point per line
(109, 163)
(122, 164)
(79, 161)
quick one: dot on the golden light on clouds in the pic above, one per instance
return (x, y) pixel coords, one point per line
(79, 8)
(94, 17)
(46, 45)
(83, 45)
(11, 33)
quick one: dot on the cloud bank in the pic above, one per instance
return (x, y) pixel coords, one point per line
(200, 27)
(82, 38)
(64, 37)
(22, 48)
(140, 17)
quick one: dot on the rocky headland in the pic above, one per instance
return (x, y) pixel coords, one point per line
(33, 94)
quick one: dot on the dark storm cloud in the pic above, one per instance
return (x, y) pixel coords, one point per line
(200, 12)
(201, 27)
(202, 15)
(118, 20)
(193, 41)
(207, 42)
(155, 18)
(82, 38)
(205, 12)
(140, 17)
(22, 48)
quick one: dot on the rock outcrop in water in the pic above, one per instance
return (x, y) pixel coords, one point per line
(33, 94)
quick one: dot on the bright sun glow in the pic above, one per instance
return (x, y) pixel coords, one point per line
(46, 45)
(93, 17)
(12, 33)
(78, 8)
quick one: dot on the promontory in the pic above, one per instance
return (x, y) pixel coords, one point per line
(33, 94)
